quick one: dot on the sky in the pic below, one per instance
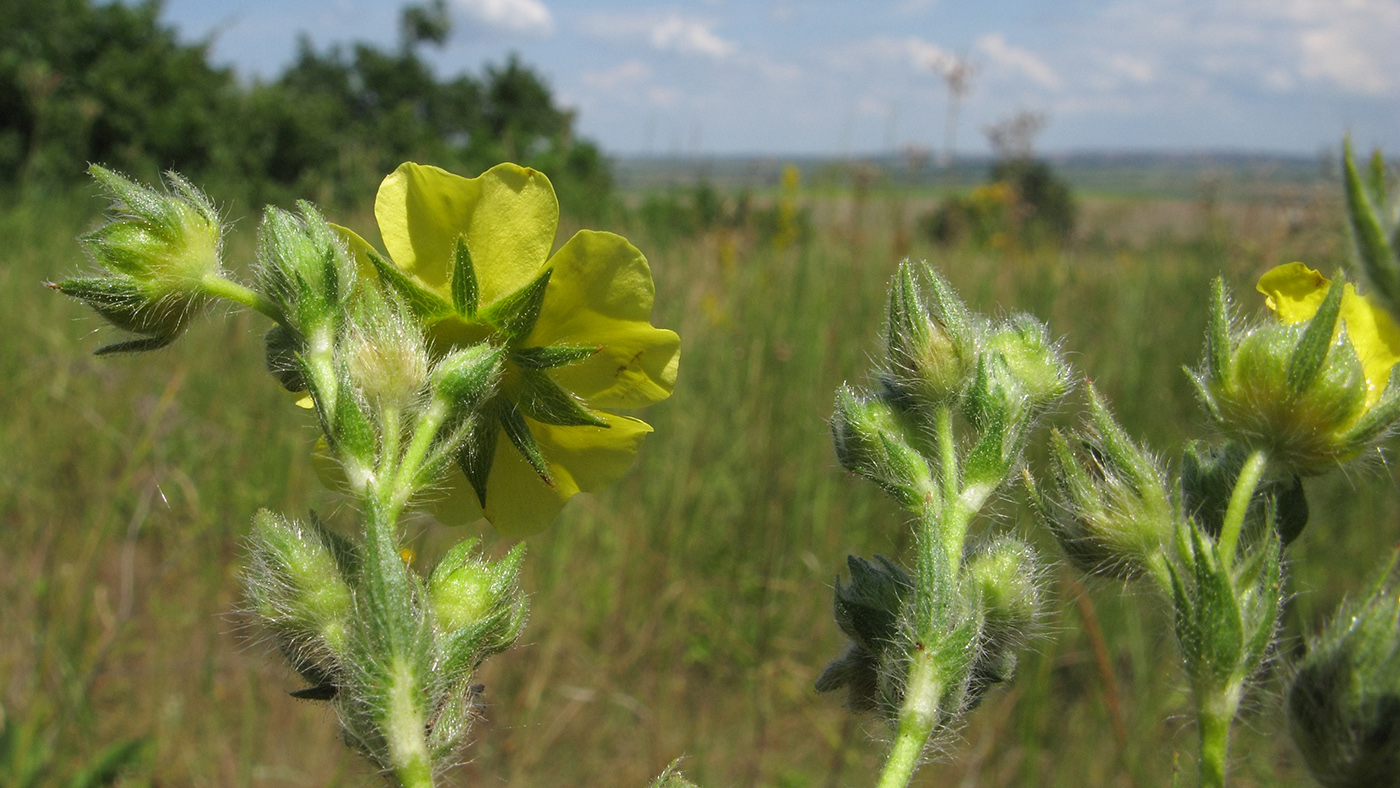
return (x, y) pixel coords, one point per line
(829, 77)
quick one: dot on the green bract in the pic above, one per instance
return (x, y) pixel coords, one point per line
(471, 259)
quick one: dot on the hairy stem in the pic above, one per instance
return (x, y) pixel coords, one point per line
(227, 289)
(917, 716)
(1215, 710)
(1243, 493)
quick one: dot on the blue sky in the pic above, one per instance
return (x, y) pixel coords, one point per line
(715, 77)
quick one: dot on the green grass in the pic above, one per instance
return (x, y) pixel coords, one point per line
(684, 611)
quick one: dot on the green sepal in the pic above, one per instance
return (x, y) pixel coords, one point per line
(1380, 417)
(988, 462)
(541, 399)
(1262, 576)
(551, 357)
(1119, 450)
(280, 349)
(514, 315)
(907, 321)
(140, 345)
(1310, 354)
(423, 302)
(1201, 386)
(951, 311)
(349, 428)
(1378, 258)
(479, 451)
(124, 303)
(515, 428)
(1217, 339)
(465, 290)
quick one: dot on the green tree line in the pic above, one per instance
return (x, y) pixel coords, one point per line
(82, 81)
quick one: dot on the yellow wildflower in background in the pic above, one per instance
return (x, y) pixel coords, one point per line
(472, 257)
(1294, 292)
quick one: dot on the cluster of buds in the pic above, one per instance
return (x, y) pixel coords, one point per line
(941, 433)
(157, 260)
(308, 587)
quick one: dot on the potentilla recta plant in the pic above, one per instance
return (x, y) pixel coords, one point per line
(468, 371)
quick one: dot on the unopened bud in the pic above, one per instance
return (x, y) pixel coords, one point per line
(156, 254)
(1344, 701)
(296, 583)
(478, 596)
(1110, 508)
(930, 359)
(1033, 359)
(870, 442)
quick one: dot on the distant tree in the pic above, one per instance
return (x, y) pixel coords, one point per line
(86, 82)
(82, 81)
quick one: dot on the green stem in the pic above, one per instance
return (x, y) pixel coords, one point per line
(219, 287)
(947, 453)
(422, 442)
(1243, 493)
(917, 716)
(1215, 710)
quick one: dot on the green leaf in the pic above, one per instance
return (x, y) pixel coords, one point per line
(1378, 258)
(465, 289)
(423, 302)
(541, 399)
(551, 357)
(515, 314)
(1310, 353)
(140, 345)
(479, 452)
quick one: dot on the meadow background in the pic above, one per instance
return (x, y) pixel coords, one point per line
(685, 611)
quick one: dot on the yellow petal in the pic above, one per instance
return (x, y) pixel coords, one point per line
(1294, 291)
(635, 367)
(600, 294)
(509, 215)
(1375, 336)
(518, 503)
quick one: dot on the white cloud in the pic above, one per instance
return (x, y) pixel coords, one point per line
(521, 16)
(669, 33)
(995, 46)
(629, 73)
(691, 36)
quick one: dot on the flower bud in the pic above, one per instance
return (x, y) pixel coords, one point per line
(296, 584)
(477, 603)
(467, 377)
(156, 254)
(384, 353)
(1301, 389)
(930, 359)
(1344, 701)
(870, 442)
(1007, 575)
(1110, 509)
(304, 268)
(1033, 359)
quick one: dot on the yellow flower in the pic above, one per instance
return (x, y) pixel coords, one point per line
(472, 256)
(1294, 292)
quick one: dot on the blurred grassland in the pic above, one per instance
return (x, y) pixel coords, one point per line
(686, 610)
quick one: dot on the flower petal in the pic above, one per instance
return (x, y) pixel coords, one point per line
(509, 215)
(1294, 291)
(1376, 337)
(600, 295)
(518, 503)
